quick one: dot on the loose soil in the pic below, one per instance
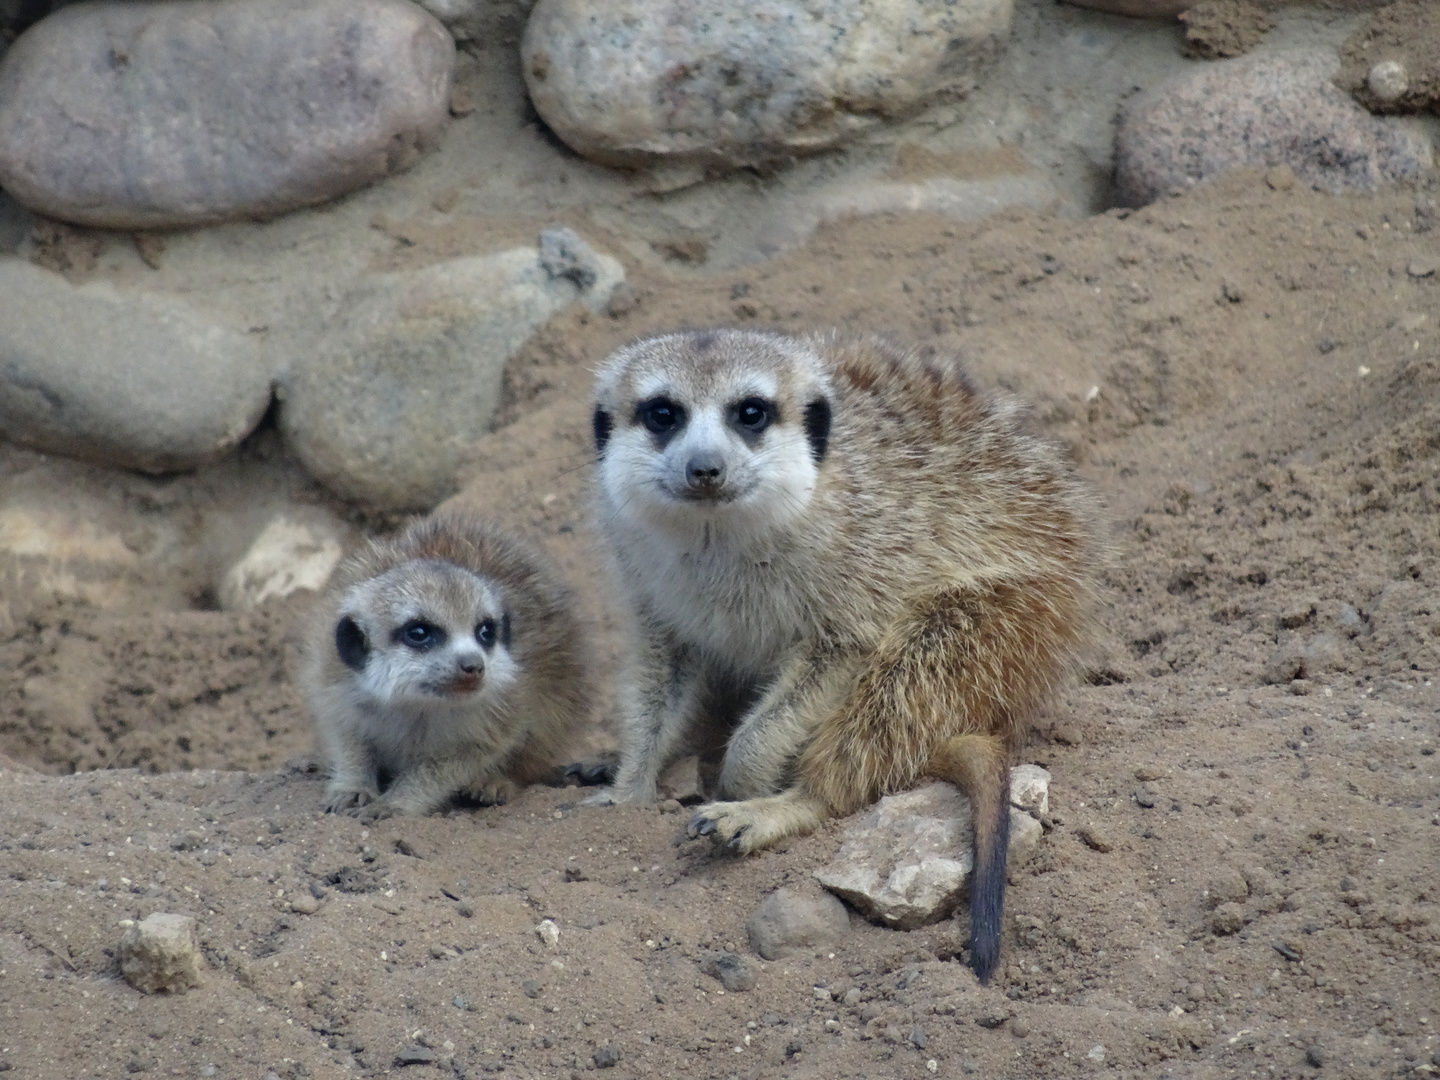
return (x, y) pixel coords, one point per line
(1249, 380)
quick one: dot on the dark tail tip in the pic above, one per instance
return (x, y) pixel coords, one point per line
(987, 894)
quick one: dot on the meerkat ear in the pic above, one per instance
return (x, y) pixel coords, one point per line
(817, 427)
(350, 643)
(604, 423)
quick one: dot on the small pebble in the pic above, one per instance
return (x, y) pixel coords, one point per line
(1195, 991)
(917, 1037)
(1019, 1028)
(822, 994)
(1315, 1056)
(1326, 346)
(1227, 919)
(548, 932)
(531, 988)
(464, 909)
(305, 904)
(607, 1057)
(832, 1025)
(415, 1055)
(1145, 796)
(852, 996)
(1149, 772)
(1422, 266)
(1095, 838)
(1388, 81)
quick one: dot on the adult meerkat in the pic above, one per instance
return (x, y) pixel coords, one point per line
(840, 550)
(443, 662)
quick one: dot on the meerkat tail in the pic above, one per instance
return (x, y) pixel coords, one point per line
(947, 695)
(980, 766)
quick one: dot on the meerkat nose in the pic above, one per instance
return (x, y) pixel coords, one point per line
(705, 471)
(470, 665)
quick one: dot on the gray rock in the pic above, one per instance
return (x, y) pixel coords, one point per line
(406, 374)
(160, 953)
(153, 114)
(564, 255)
(1260, 112)
(139, 382)
(789, 922)
(696, 84)
(735, 973)
(904, 863)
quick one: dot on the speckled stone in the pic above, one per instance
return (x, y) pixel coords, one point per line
(1260, 112)
(707, 83)
(159, 113)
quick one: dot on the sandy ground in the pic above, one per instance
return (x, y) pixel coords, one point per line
(1247, 376)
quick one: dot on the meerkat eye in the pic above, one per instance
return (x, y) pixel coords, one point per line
(660, 415)
(420, 635)
(485, 633)
(755, 414)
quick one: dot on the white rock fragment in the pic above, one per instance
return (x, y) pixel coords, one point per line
(160, 953)
(548, 932)
(905, 862)
(1388, 80)
(287, 556)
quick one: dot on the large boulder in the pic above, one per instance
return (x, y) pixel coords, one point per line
(382, 402)
(179, 112)
(141, 382)
(1260, 111)
(706, 83)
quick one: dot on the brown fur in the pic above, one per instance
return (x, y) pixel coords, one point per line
(941, 569)
(476, 747)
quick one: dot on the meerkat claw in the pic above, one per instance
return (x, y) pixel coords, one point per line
(700, 825)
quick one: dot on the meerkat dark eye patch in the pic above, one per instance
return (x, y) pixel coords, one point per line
(817, 428)
(603, 423)
(485, 634)
(419, 635)
(661, 417)
(754, 415)
(351, 645)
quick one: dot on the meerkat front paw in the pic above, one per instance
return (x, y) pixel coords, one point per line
(344, 800)
(748, 826)
(736, 825)
(496, 791)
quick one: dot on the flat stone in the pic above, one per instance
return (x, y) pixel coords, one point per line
(905, 862)
(1260, 112)
(391, 387)
(171, 390)
(160, 953)
(695, 84)
(287, 556)
(789, 922)
(153, 114)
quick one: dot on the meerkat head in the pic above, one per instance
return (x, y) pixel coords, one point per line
(728, 425)
(423, 631)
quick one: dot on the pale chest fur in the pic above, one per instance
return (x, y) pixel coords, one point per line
(742, 605)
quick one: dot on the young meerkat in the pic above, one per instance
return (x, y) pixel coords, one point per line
(840, 551)
(443, 662)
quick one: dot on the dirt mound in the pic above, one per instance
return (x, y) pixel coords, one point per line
(1248, 377)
